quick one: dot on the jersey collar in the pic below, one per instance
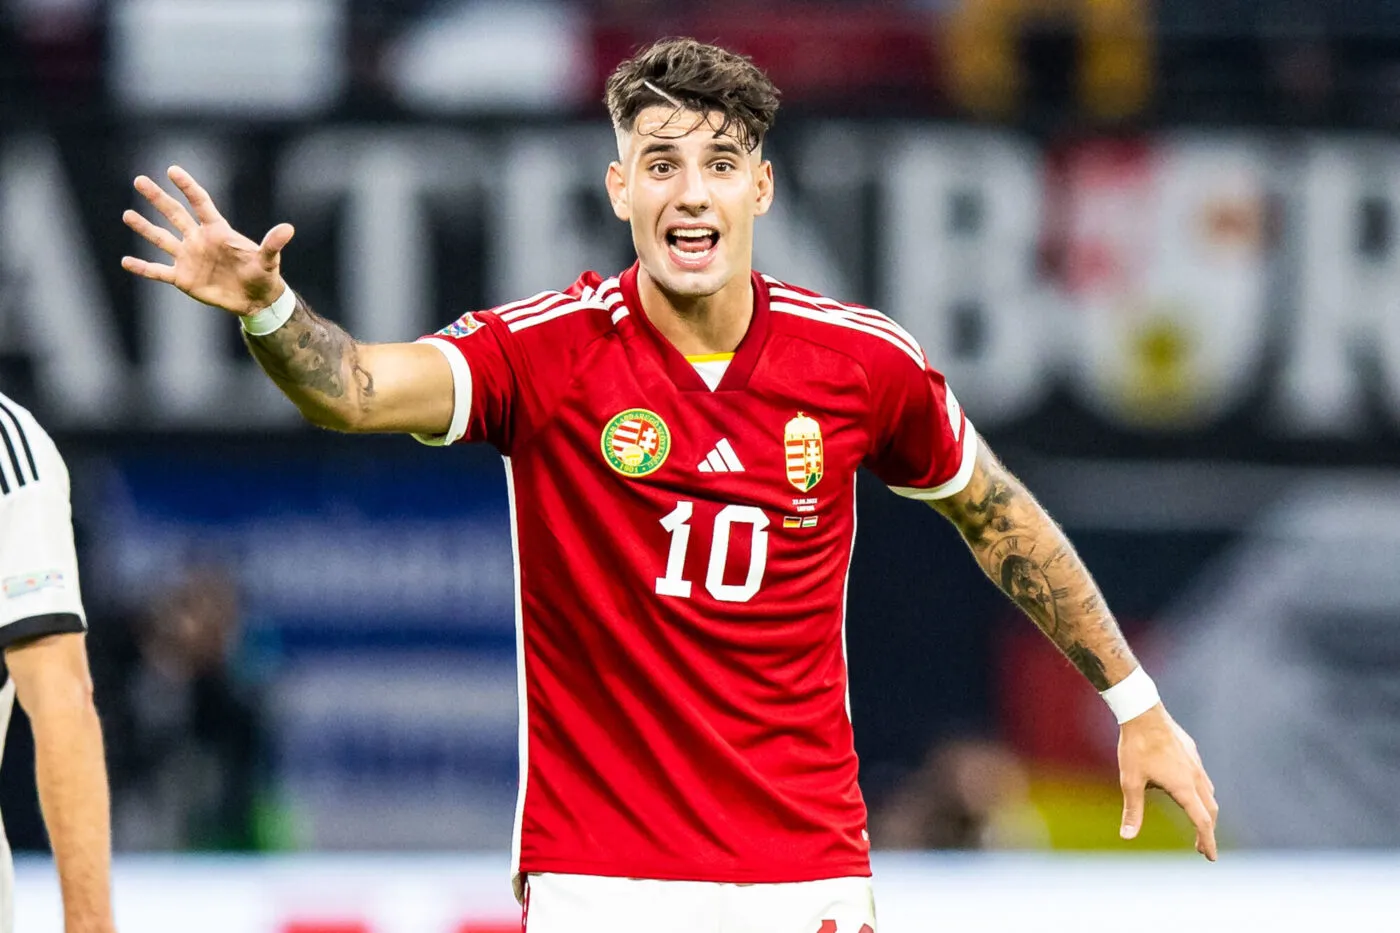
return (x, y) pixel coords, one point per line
(678, 368)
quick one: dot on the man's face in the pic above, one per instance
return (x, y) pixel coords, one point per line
(691, 197)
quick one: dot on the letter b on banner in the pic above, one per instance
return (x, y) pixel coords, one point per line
(959, 263)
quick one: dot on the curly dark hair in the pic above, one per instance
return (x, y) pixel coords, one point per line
(698, 78)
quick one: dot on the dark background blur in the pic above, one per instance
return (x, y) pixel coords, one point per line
(1153, 247)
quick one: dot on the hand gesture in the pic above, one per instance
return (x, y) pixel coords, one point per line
(213, 262)
(1153, 751)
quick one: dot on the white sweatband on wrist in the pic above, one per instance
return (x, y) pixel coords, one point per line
(261, 323)
(1132, 696)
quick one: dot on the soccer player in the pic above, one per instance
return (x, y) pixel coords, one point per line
(681, 444)
(42, 628)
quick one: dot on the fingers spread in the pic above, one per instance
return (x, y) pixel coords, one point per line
(199, 199)
(158, 237)
(170, 208)
(149, 270)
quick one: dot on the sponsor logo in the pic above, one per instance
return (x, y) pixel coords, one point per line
(636, 442)
(23, 585)
(802, 444)
(463, 326)
(721, 459)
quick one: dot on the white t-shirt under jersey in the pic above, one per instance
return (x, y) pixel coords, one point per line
(38, 565)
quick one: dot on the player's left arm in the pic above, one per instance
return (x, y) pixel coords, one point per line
(54, 687)
(1029, 557)
(42, 626)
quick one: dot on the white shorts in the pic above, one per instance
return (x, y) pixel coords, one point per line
(594, 904)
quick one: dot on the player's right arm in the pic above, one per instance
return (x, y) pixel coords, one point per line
(334, 380)
(342, 384)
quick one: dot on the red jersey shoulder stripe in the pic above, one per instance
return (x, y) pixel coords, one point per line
(872, 323)
(543, 300)
(524, 303)
(555, 305)
(802, 296)
(537, 305)
(850, 322)
(609, 293)
(549, 313)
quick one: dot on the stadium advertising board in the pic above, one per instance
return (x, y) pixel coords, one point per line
(1219, 287)
(915, 894)
(378, 600)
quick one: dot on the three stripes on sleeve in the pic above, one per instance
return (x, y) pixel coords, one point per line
(17, 466)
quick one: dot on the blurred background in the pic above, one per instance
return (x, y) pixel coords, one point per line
(1152, 245)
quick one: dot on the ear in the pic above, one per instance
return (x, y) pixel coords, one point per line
(763, 184)
(616, 183)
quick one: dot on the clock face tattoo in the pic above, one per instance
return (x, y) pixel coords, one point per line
(1024, 580)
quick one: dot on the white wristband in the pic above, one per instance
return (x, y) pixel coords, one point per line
(261, 323)
(1132, 696)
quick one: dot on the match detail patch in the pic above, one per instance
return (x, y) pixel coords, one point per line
(463, 326)
(24, 584)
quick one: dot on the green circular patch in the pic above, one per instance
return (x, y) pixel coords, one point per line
(636, 442)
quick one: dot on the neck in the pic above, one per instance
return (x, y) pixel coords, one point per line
(697, 326)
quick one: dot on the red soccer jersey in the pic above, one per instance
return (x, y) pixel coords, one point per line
(681, 559)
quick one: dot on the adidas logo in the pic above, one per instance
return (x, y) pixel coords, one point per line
(721, 459)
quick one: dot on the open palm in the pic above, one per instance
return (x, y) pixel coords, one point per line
(211, 261)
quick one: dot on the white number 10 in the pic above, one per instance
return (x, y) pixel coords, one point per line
(674, 584)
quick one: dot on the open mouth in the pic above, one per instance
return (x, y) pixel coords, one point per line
(692, 247)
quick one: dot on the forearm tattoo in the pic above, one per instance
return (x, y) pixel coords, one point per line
(1029, 557)
(317, 365)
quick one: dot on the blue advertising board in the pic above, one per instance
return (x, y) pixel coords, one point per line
(381, 592)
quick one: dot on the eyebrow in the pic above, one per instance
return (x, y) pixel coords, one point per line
(727, 146)
(658, 146)
(652, 147)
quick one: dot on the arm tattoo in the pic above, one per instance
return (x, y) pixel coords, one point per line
(1088, 664)
(1028, 556)
(317, 365)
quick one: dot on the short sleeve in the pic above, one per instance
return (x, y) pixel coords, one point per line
(39, 592)
(924, 446)
(511, 365)
(483, 384)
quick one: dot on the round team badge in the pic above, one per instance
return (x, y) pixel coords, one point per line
(636, 442)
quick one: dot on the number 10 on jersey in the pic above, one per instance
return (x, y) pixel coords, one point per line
(677, 523)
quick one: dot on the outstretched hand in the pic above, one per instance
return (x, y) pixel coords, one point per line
(212, 262)
(1153, 751)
